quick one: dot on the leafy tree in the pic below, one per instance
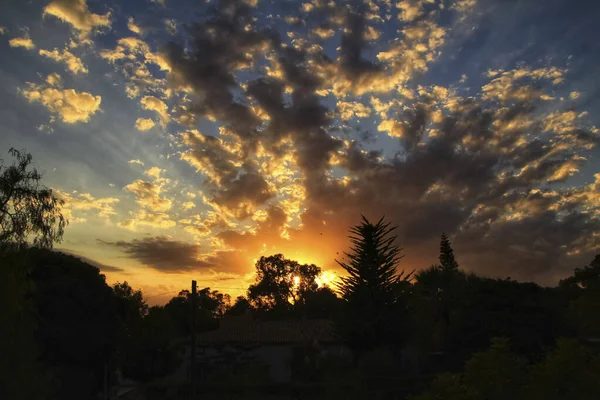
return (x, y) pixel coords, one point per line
(282, 285)
(374, 292)
(495, 374)
(211, 305)
(131, 310)
(77, 322)
(583, 293)
(153, 353)
(239, 307)
(22, 375)
(28, 210)
(322, 303)
(570, 371)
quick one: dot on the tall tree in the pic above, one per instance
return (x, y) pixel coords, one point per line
(447, 260)
(29, 211)
(374, 292)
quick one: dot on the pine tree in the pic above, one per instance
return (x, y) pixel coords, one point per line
(373, 290)
(447, 260)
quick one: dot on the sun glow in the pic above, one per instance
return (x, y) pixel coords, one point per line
(327, 278)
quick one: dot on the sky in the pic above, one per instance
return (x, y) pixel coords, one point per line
(188, 138)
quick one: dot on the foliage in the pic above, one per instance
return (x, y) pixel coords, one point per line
(570, 371)
(28, 210)
(282, 284)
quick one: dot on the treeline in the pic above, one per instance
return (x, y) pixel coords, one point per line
(487, 338)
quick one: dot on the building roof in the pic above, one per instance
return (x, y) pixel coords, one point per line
(271, 332)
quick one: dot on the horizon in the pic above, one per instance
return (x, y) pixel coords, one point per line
(188, 153)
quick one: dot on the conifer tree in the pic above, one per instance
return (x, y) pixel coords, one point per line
(373, 290)
(447, 261)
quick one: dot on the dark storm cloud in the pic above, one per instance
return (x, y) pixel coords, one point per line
(351, 49)
(162, 253)
(220, 46)
(248, 187)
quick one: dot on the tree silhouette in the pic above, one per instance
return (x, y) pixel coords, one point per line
(239, 307)
(28, 210)
(447, 261)
(281, 284)
(373, 290)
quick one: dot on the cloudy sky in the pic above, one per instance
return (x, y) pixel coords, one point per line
(188, 138)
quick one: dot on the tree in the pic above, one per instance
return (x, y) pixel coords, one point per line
(239, 307)
(374, 292)
(153, 353)
(495, 374)
(282, 285)
(211, 305)
(583, 293)
(570, 371)
(440, 290)
(29, 211)
(131, 310)
(77, 324)
(447, 261)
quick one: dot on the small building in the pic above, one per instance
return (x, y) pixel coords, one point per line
(273, 345)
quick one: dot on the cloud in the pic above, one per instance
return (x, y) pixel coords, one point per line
(163, 254)
(77, 205)
(70, 106)
(77, 14)
(171, 26)
(144, 124)
(133, 27)
(136, 162)
(289, 169)
(148, 195)
(131, 58)
(144, 219)
(152, 103)
(24, 42)
(73, 63)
